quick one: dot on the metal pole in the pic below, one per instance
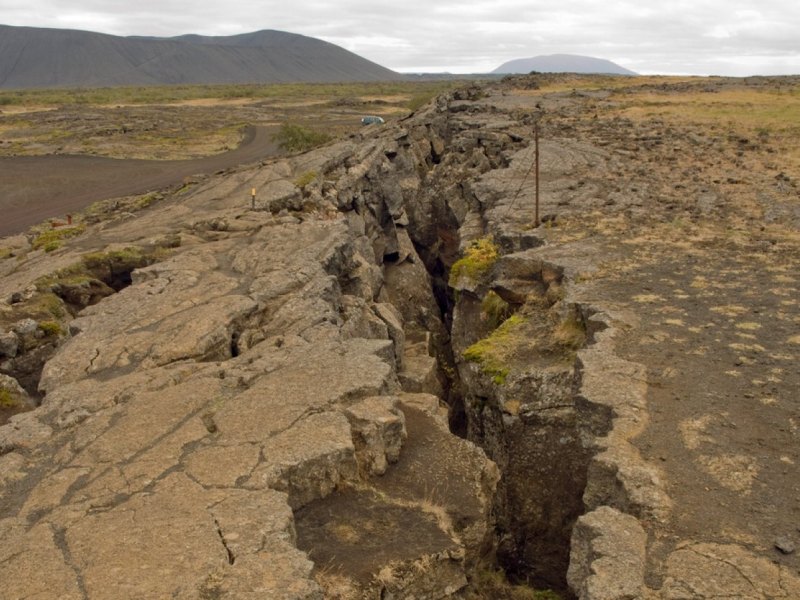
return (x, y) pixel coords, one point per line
(536, 151)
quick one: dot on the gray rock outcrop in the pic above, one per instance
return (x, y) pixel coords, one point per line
(266, 410)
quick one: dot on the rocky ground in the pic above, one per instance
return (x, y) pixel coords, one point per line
(254, 402)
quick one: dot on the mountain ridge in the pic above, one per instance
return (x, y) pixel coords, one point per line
(32, 57)
(562, 63)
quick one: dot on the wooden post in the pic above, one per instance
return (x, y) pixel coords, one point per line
(253, 198)
(536, 154)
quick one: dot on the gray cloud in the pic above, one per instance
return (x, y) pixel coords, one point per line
(734, 37)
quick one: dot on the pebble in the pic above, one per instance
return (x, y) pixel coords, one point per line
(785, 544)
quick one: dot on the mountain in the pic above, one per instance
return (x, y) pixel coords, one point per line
(562, 63)
(37, 58)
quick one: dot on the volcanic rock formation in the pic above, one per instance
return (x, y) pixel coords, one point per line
(262, 410)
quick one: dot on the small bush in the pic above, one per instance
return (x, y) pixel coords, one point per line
(417, 101)
(296, 138)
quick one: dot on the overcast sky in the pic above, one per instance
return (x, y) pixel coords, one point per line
(724, 37)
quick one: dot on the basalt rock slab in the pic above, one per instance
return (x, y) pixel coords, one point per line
(249, 373)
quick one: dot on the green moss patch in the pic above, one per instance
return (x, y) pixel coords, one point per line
(9, 399)
(50, 328)
(492, 352)
(52, 239)
(494, 309)
(478, 259)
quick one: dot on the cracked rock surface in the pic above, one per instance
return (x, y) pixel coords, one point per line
(260, 413)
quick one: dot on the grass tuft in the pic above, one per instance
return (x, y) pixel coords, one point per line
(50, 328)
(305, 179)
(494, 310)
(52, 239)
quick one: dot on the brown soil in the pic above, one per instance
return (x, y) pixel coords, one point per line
(358, 532)
(35, 188)
(695, 228)
(59, 160)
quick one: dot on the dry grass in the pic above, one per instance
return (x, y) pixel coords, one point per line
(493, 584)
(767, 116)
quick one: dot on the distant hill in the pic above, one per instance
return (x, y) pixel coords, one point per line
(562, 63)
(36, 58)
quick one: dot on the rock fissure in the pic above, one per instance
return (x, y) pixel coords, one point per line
(231, 557)
(733, 566)
(301, 373)
(60, 540)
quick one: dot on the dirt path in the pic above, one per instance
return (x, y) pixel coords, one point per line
(35, 188)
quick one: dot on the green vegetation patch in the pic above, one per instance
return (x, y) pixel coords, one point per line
(492, 353)
(166, 94)
(296, 138)
(305, 179)
(478, 259)
(102, 272)
(118, 261)
(50, 328)
(494, 309)
(52, 239)
(9, 399)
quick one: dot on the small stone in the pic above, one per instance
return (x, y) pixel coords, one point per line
(785, 544)
(9, 344)
(25, 327)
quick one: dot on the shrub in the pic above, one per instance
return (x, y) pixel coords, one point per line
(417, 101)
(296, 138)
